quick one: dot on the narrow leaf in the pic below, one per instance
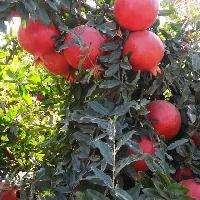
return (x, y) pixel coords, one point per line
(102, 176)
(98, 108)
(110, 84)
(105, 150)
(122, 194)
(176, 144)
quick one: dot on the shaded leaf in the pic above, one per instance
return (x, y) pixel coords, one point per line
(110, 84)
(105, 150)
(102, 176)
(177, 143)
(99, 108)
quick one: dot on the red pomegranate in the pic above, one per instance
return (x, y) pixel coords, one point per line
(87, 57)
(9, 195)
(55, 63)
(196, 139)
(183, 173)
(136, 15)
(193, 187)
(147, 50)
(37, 38)
(147, 147)
(167, 116)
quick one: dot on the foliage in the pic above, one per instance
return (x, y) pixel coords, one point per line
(91, 122)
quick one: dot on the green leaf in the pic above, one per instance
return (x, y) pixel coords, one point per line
(112, 70)
(96, 195)
(196, 62)
(176, 144)
(53, 5)
(110, 46)
(127, 161)
(4, 6)
(98, 108)
(102, 176)
(43, 15)
(110, 58)
(122, 194)
(105, 150)
(110, 84)
(123, 109)
(124, 138)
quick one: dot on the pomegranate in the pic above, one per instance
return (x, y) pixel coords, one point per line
(37, 38)
(147, 147)
(193, 187)
(136, 15)
(56, 63)
(167, 116)
(9, 195)
(147, 50)
(183, 173)
(87, 57)
(196, 139)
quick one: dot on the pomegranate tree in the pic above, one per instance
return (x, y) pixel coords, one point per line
(85, 57)
(147, 146)
(136, 15)
(146, 51)
(37, 38)
(167, 118)
(193, 187)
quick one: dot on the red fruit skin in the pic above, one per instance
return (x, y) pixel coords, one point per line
(147, 147)
(196, 139)
(89, 37)
(9, 195)
(15, 13)
(136, 15)
(36, 37)
(167, 116)
(193, 187)
(56, 63)
(147, 51)
(183, 173)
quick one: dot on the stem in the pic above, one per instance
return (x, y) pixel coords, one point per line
(114, 154)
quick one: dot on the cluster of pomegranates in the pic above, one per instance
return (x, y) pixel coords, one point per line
(39, 40)
(146, 51)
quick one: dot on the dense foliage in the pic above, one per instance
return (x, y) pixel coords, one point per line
(62, 140)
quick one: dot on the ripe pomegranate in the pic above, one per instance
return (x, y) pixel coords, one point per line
(147, 147)
(147, 50)
(136, 15)
(167, 116)
(196, 139)
(183, 173)
(37, 38)
(193, 187)
(9, 195)
(90, 37)
(55, 63)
